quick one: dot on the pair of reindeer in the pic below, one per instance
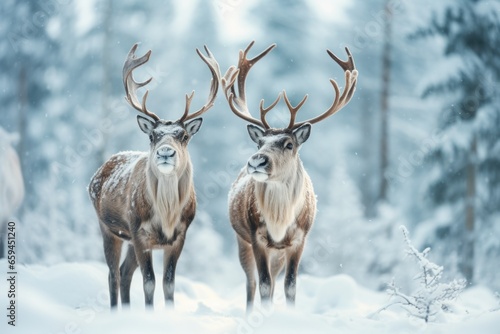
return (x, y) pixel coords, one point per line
(148, 198)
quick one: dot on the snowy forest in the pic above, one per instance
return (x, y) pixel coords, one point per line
(418, 145)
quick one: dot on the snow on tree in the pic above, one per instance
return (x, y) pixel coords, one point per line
(464, 169)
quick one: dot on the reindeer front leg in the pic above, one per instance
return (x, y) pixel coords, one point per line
(292, 265)
(247, 261)
(170, 256)
(127, 269)
(265, 279)
(144, 258)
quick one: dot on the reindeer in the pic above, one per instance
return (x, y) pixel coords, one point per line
(272, 204)
(11, 183)
(148, 198)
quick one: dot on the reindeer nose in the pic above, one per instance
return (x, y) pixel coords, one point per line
(258, 160)
(165, 152)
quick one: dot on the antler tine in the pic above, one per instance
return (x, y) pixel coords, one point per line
(341, 100)
(235, 104)
(189, 98)
(213, 66)
(346, 65)
(238, 104)
(244, 65)
(293, 110)
(264, 111)
(131, 86)
(228, 80)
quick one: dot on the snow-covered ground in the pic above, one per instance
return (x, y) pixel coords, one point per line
(73, 298)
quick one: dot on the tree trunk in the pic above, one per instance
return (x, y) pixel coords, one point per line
(467, 258)
(106, 76)
(368, 188)
(384, 104)
(21, 129)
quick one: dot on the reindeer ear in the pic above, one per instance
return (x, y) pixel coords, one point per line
(255, 132)
(145, 124)
(193, 126)
(302, 133)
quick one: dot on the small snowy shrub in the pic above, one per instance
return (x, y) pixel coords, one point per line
(432, 296)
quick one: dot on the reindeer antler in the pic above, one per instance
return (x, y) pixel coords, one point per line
(238, 104)
(340, 101)
(293, 110)
(214, 87)
(131, 86)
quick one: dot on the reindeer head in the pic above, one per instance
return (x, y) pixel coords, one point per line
(277, 155)
(168, 152)
(277, 150)
(169, 141)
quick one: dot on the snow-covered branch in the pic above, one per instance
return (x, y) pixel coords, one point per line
(432, 296)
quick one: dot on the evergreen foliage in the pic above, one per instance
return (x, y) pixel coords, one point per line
(465, 168)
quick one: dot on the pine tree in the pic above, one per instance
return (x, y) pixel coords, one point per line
(22, 73)
(466, 166)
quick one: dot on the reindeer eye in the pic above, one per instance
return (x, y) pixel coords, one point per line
(151, 138)
(289, 146)
(186, 137)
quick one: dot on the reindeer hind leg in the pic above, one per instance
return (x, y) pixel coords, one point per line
(112, 251)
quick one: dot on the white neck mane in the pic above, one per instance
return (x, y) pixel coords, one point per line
(169, 194)
(279, 202)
